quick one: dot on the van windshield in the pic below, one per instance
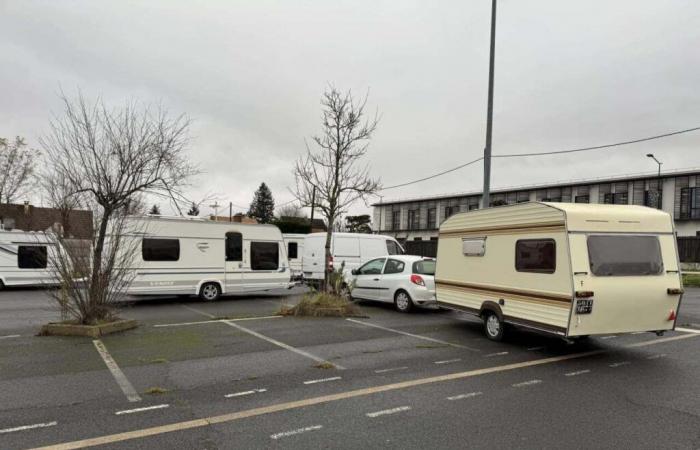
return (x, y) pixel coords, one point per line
(425, 267)
(611, 255)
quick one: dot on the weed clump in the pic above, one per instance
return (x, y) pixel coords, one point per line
(322, 304)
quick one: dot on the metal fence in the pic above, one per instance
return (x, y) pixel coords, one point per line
(421, 248)
(689, 249)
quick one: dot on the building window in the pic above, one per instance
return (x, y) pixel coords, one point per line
(522, 197)
(264, 255)
(234, 247)
(413, 219)
(432, 218)
(396, 220)
(690, 203)
(160, 249)
(292, 250)
(449, 211)
(652, 199)
(535, 255)
(618, 198)
(582, 199)
(31, 257)
(473, 206)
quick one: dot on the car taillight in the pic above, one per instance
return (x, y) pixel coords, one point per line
(330, 263)
(417, 279)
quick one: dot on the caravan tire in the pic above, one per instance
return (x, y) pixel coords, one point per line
(210, 292)
(493, 326)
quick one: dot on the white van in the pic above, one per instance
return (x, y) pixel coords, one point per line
(25, 259)
(295, 252)
(570, 269)
(206, 258)
(350, 249)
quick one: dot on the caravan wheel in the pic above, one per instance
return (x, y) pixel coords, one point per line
(493, 326)
(210, 292)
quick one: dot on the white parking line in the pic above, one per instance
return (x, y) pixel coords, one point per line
(391, 369)
(578, 372)
(495, 354)
(448, 361)
(117, 373)
(527, 383)
(293, 432)
(137, 410)
(388, 411)
(425, 338)
(688, 330)
(268, 339)
(10, 336)
(618, 364)
(322, 380)
(28, 427)
(461, 396)
(241, 394)
(161, 325)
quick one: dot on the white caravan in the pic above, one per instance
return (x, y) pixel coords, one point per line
(186, 256)
(350, 249)
(295, 252)
(25, 259)
(570, 269)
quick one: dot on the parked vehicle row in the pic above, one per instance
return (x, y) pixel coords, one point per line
(25, 258)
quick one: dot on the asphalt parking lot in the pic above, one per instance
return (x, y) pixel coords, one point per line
(232, 374)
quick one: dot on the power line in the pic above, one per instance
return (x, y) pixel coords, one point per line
(556, 152)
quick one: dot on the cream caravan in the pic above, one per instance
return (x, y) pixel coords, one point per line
(199, 257)
(565, 268)
(295, 250)
(25, 259)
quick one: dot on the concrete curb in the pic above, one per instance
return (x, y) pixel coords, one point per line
(93, 331)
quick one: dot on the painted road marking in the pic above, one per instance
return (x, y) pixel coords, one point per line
(9, 336)
(688, 330)
(241, 394)
(527, 383)
(532, 349)
(268, 339)
(425, 338)
(660, 355)
(461, 396)
(161, 325)
(126, 387)
(29, 427)
(255, 412)
(578, 372)
(618, 364)
(392, 369)
(495, 354)
(386, 412)
(294, 432)
(448, 361)
(138, 410)
(322, 380)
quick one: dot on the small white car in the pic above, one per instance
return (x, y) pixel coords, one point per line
(404, 280)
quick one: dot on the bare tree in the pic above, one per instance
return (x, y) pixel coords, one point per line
(289, 210)
(60, 194)
(16, 168)
(113, 157)
(331, 176)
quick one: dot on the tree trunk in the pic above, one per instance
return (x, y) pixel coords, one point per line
(97, 286)
(327, 254)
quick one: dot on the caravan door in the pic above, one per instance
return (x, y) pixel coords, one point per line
(267, 267)
(234, 263)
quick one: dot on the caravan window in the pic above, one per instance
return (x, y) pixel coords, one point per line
(160, 249)
(615, 255)
(292, 250)
(31, 257)
(234, 247)
(264, 255)
(535, 255)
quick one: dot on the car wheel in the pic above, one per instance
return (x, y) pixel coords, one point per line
(210, 292)
(403, 302)
(493, 326)
(345, 292)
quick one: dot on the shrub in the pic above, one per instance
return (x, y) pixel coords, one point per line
(322, 304)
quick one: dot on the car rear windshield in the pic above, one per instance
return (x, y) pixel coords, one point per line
(424, 267)
(624, 255)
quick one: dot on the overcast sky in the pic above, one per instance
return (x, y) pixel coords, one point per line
(250, 74)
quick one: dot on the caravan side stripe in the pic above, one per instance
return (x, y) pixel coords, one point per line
(563, 300)
(506, 229)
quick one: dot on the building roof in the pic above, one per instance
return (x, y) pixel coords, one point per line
(555, 184)
(76, 224)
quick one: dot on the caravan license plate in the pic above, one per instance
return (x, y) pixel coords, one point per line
(584, 306)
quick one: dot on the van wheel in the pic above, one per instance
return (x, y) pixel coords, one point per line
(210, 292)
(493, 326)
(403, 302)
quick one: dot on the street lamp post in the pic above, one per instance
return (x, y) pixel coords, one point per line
(489, 113)
(658, 181)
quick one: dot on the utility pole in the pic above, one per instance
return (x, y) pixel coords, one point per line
(230, 211)
(313, 203)
(657, 200)
(489, 114)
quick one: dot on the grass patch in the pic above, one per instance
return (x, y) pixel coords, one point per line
(322, 304)
(156, 391)
(324, 365)
(158, 361)
(691, 280)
